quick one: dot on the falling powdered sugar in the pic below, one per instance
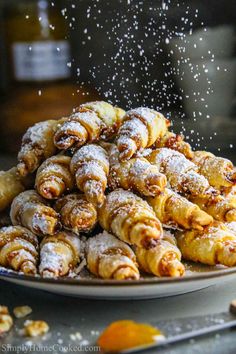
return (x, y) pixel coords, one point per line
(146, 114)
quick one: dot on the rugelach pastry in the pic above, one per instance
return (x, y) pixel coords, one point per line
(90, 165)
(30, 210)
(54, 177)
(130, 218)
(110, 258)
(18, 249)
(59, 254)
(140, 129)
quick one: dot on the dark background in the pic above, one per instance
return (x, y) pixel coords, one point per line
(118, 49)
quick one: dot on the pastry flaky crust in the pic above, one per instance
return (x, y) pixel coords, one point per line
(219, 171)
(216, 244)
(141, 128)
(90, 165)
(90, 122)
(77, 214)
(111, 116)
(130, 218)
(136, 174)
(18, 249)
(54, 177)
(221, 208)
(181, 173)
(109, 258)
(162, 260)
(176, 142)
(30, 210)
(11, 184)
(37, 145)
(176, 211)
(231, 226)
(59, 254)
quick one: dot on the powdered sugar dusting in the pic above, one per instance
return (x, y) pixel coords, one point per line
(51, 260)
(101, 243)
(36, 132)
(197, 184)
(121, 196)
(133, 128)
(90, 152)
(59, 254)
(104, 111)
(37, 135)
(148, 115)
(181, 173)
(42, 223)
(232, 226)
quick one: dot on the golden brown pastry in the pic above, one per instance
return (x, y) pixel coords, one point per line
(90, 122)
(220, 208)
(162, 260)
(18, 249)
(11, 184)
(141, 128)
(176, 142)
(176, 211)
(90, 165)
(111, 116)
(59, 254)
(30, 210)
(54, 178)
(130, 218)
(229, 193)
(136, 174)
(215, 244)
(109, 258)
(6, 321)
(219, 171)
(77, 214)
(181, 173)
(231, 226)
(37, 145)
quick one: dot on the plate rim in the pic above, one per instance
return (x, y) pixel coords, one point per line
(11, 274)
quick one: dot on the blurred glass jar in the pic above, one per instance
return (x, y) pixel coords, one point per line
(39, 59)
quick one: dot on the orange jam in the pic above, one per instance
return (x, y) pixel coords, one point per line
(127, 334)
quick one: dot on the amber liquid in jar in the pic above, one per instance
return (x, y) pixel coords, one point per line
(41, 87)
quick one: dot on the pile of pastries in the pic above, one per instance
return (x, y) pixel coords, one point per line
(118, 192)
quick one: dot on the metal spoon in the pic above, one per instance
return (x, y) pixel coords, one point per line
(189, 328)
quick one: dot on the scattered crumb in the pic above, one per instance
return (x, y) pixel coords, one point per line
(35, 328)
(84, 342)
(22, 311)
(6, 321)
(28, 343)
(76, 336)
(77, 270)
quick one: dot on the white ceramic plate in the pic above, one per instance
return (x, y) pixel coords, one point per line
(197, 277)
